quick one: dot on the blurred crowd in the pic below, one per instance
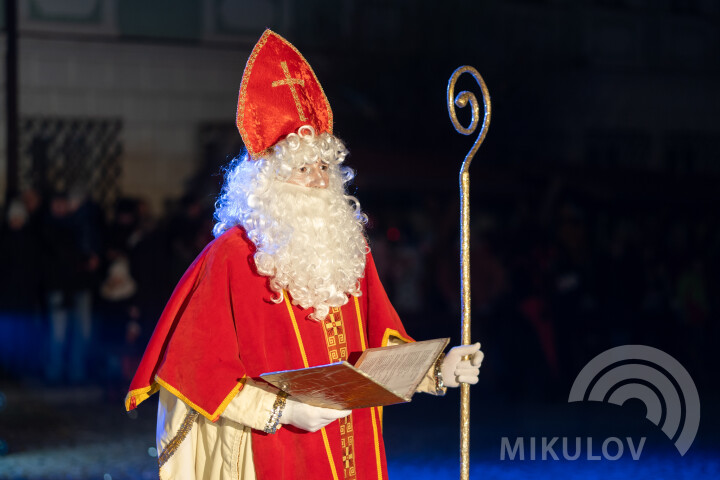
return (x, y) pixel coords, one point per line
(552, 285)
(81, 288)
(556, 283)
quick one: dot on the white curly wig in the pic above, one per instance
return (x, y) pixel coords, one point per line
(310, 241)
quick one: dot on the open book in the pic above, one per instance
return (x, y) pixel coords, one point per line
(381, 376)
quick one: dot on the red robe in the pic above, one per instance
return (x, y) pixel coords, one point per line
(220, 327)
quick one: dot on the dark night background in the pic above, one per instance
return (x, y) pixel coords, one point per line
(593, 208)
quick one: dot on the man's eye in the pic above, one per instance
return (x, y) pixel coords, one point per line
(323, 167)
(303, 169)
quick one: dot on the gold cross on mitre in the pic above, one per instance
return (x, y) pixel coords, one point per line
(291, 82)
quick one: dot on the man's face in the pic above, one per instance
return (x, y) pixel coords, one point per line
(312, 175)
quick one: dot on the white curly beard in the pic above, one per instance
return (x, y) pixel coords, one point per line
(312, 245)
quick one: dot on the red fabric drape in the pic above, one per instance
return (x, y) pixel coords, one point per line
(220, 326)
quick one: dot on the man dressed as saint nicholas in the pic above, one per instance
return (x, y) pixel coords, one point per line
(289, 282)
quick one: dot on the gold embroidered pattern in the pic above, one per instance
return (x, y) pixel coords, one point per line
(335, 338)
(291, 82)
(347, 442)
(336, 341)
(173, 444)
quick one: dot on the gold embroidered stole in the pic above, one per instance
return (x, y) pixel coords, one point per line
(336, 342)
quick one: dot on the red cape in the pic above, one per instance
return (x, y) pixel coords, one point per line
(220, 327)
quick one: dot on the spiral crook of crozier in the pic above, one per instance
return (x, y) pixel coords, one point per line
(461, 100)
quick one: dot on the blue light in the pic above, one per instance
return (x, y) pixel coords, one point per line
(698, 465)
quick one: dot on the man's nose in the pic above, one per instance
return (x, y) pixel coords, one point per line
(318, 176)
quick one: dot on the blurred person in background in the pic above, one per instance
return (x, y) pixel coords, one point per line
(135, 271)
(71, 245)
(120, 328)
(188, 232)
(19, 291)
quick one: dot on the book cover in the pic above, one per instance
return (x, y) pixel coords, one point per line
(381, 376)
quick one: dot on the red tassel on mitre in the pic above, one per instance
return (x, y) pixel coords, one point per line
(279, 93)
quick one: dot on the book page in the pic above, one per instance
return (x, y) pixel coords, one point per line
(401, 368)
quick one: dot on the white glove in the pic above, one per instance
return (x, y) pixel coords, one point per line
(307, 417)
(455, 370)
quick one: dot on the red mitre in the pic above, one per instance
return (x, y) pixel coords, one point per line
(279, 94)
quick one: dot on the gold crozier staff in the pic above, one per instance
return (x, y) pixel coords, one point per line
(461, 100)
